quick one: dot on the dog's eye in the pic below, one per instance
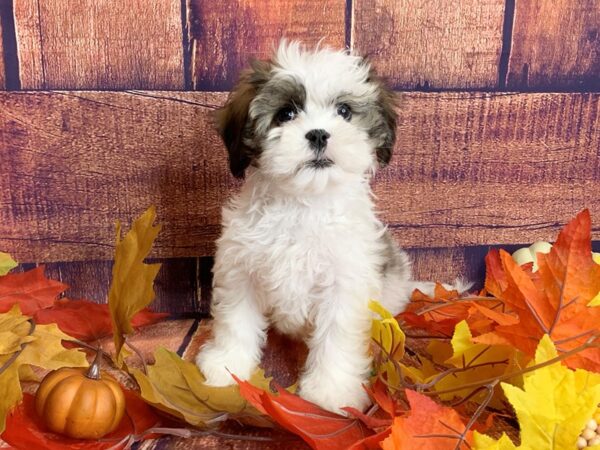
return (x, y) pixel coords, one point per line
(344, 111)
(286, 114)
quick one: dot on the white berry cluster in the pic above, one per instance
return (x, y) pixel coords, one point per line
(591, 435)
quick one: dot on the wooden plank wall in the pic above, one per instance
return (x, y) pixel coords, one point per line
(107, 110)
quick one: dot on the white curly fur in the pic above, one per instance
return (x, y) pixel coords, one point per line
(302, 249)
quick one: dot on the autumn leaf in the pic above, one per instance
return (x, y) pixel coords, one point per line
(471, 362)
(38, 345)
(26, 431)
(31, 290)
(72, 317)
(439, 313)
(6, 263)
(178, 388)
(132, 286)
(322, 430)
(428, 426)
(388, 336)
(553, 407)
(552, 301)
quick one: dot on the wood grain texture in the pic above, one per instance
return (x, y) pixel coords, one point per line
(444, 265)
(2, 69)
(469, 169)
(555, 45)
(76, 162)
(424, 44)
(225, 35)
(176, 284)
(101, 44)
(88, 280)
(472, 169)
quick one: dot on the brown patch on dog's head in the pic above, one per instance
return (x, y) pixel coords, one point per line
(233, 122)
(386, 127)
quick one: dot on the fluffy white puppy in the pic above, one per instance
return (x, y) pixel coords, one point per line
(301, 248)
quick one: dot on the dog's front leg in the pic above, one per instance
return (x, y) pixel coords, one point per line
(339, 362)
(239, 333)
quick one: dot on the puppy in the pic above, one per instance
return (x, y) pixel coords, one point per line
(301, 247)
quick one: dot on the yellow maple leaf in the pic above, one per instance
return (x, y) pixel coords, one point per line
(178, 387)
(388, 335)
(6, 263)
(552, 408)
(481, 362)
(29, 345)
(132, 286)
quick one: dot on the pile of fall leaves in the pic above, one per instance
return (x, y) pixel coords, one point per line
(522, 354)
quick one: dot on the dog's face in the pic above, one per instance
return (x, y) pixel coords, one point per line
(309, 118)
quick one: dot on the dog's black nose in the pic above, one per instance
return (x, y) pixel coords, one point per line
(317, 139)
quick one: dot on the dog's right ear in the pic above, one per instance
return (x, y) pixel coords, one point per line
(233, 122)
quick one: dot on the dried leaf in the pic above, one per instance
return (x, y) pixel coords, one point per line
(6, 263)
(481, 361)
(72, 317)
(428, 426)
(390, 339)
(553, 406)
(42, 348)
(178, 388)
(322, 430)
(31, 290)
(25, 430)
(132, 286)
(552, 301)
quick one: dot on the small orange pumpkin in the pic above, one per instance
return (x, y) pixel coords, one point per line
(79, 403)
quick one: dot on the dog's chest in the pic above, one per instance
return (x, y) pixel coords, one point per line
(295, 256)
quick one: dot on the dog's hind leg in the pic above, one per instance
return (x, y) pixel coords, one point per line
(398, 284)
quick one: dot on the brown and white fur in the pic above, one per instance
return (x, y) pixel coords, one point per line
(302, 249)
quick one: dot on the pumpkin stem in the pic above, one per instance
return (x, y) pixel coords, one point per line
(94, 370)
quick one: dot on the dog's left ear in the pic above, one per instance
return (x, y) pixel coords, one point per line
(387, 104)
(384, 129)
(233, 122)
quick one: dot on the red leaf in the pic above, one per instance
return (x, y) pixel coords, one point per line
(26, 431)
(552, 301)
(371, 442)
(425, 427)
(380, 395)
(371, 422)
(322, 430)
(31, 290)
(442, 312)
(73, 318)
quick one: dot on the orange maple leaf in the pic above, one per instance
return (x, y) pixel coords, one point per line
(554, 300)
(444, 310)
(73, 318)
(429, 426)
(37, 296)
(31, 290)
(321, 429)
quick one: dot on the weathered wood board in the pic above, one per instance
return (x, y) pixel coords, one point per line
(2, 69)
(224, 35)
(183, 285)
(438, 45)
(100, 44)
(555, 45)
(469, 169)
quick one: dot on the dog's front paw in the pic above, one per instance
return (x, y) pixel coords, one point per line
(333, 392)
(217, 364)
